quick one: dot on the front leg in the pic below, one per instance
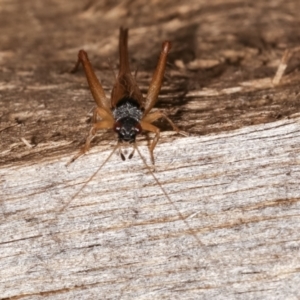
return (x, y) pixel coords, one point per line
(107, 122)
(149, 127)
(159, 114)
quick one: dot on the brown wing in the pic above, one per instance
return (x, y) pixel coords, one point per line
(125, 84)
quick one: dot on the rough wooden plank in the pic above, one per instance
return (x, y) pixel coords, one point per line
(45, 105)
(121, 239)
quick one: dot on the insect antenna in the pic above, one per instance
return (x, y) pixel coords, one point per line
(91, 178)
(191, 232)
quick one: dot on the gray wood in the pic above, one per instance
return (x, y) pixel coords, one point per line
(120, 238)
(234, 179)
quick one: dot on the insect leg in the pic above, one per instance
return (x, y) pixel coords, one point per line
(106, 123)
(149, 127)
(159, 114)
(94, 84)
(157, 78)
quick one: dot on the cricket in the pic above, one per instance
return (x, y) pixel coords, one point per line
(128, 112)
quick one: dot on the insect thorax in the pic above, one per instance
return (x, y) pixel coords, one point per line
(127, 108)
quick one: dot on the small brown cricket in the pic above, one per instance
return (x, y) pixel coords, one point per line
(128, 111)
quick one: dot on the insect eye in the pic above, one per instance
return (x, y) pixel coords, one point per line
(138, 128)
(117, 127)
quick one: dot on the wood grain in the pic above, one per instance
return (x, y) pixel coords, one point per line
(239, 193)
(235, 179)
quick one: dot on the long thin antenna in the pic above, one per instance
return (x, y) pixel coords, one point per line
(168, 198)
(91, 178)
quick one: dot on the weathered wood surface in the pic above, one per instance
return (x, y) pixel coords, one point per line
(121, 239)
(235, 179)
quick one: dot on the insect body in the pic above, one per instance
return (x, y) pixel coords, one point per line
(128, 111)
(127, 115)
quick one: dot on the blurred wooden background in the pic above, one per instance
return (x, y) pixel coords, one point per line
(235, 179)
